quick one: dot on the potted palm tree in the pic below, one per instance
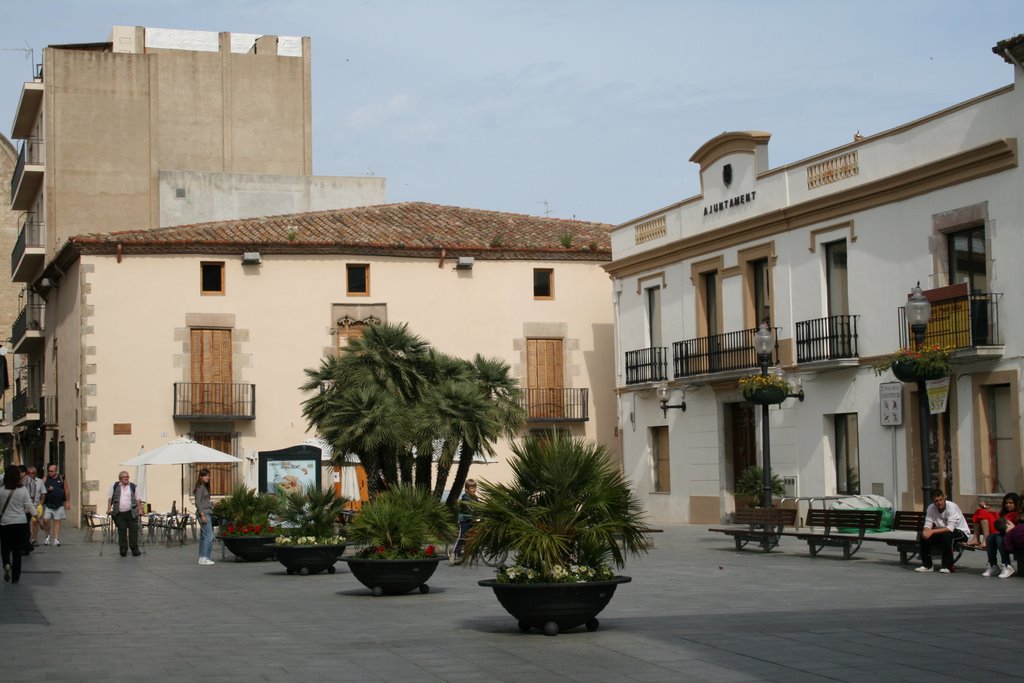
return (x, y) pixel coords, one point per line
(568, 517)
(309, 542)
(246, 529)
(397, 529)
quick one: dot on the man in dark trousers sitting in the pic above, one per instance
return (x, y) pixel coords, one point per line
(126, 507)
(944, 525)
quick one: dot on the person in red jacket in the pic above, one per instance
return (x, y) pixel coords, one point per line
(1006, 521)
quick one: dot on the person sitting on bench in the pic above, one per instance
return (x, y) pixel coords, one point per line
(944, 525)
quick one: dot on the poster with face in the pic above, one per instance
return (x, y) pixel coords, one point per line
(290, 469)
(291, 475)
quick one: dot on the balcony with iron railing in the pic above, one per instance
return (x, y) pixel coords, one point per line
(27, 178)
(556, 404)
(646, 365)
(26, 116)
(29, 253)
(967, 323)
(719, 353)
(827, 339)
(214, 401)
(27, 330)
(28, 400)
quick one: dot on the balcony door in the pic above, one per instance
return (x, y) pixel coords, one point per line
(222, 474)
(545, 379)
(837, 289)
(211, 372)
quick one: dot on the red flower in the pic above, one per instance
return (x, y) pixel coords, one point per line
(231, 528)
(429, 551)
(258, 528)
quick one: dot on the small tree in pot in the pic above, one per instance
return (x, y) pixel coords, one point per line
(568, 517)
(246, 527)
(398, 528)
(309, 541)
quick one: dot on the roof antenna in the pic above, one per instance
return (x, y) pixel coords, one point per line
(547, 209)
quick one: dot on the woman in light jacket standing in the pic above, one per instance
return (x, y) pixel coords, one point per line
(15, 504)
(204, 511)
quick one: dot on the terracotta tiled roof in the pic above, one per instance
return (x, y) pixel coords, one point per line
(407, 229)
(1015, 46)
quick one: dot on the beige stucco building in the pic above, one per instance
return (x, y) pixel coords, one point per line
(150, 127)
(824, 251)
(205, 330)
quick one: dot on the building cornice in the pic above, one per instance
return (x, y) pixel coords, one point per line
(978, 162)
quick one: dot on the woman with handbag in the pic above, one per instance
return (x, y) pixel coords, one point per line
(15, 504)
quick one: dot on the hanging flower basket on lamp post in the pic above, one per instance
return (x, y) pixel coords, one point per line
(764, 389)
(925, 363)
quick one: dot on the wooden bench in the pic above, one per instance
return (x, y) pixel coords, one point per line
(842, 529)
(764, 526)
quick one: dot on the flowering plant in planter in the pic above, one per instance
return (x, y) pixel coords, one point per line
(381, 552)
(574, 573)
(750, 384)
(247, 513)
(309, 517)
(233, 530)
(927, 359)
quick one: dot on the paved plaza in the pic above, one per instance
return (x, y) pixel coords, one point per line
(696, 610)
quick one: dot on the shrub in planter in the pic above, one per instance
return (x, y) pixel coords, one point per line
(568, 517)
(398, 529)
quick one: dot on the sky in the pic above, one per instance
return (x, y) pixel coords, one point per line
(574, 108)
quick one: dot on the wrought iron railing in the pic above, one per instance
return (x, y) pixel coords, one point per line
(214, 400)
(29, 396)
(646, 365)
(960, 322)
(30, 318)
(32, 234)
(828, 338)
(556, 405)
(31, 152)
(719, 353)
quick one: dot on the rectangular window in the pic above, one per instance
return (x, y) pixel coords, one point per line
(211, 278)
(222, 474)
(659, 456)
(709, 289)
(357, 279)
(762, 292)
(836, 279)
(654, 316)
(967, 258)
(847, 454)
(543, 283)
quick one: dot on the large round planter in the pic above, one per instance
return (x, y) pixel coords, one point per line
(767, 396)
(394, 577)
(250, 548)
(555, 607)
(906, 371)
(308, 559)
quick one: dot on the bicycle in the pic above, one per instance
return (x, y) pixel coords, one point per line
(465, 533)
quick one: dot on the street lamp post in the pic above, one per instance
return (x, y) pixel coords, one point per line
(763, 348)
(918, 311)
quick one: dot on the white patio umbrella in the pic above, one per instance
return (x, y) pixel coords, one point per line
(181, 452)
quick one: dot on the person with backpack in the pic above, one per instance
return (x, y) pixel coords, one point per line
(126, 508)
(56, 504)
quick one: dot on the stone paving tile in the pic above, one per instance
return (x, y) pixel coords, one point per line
(696, 610)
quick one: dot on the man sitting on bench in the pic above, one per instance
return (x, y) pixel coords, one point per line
(944, 525)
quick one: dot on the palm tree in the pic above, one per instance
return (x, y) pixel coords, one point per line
(565, 505)
(394, 401)
(364, 399)
(506, 416)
